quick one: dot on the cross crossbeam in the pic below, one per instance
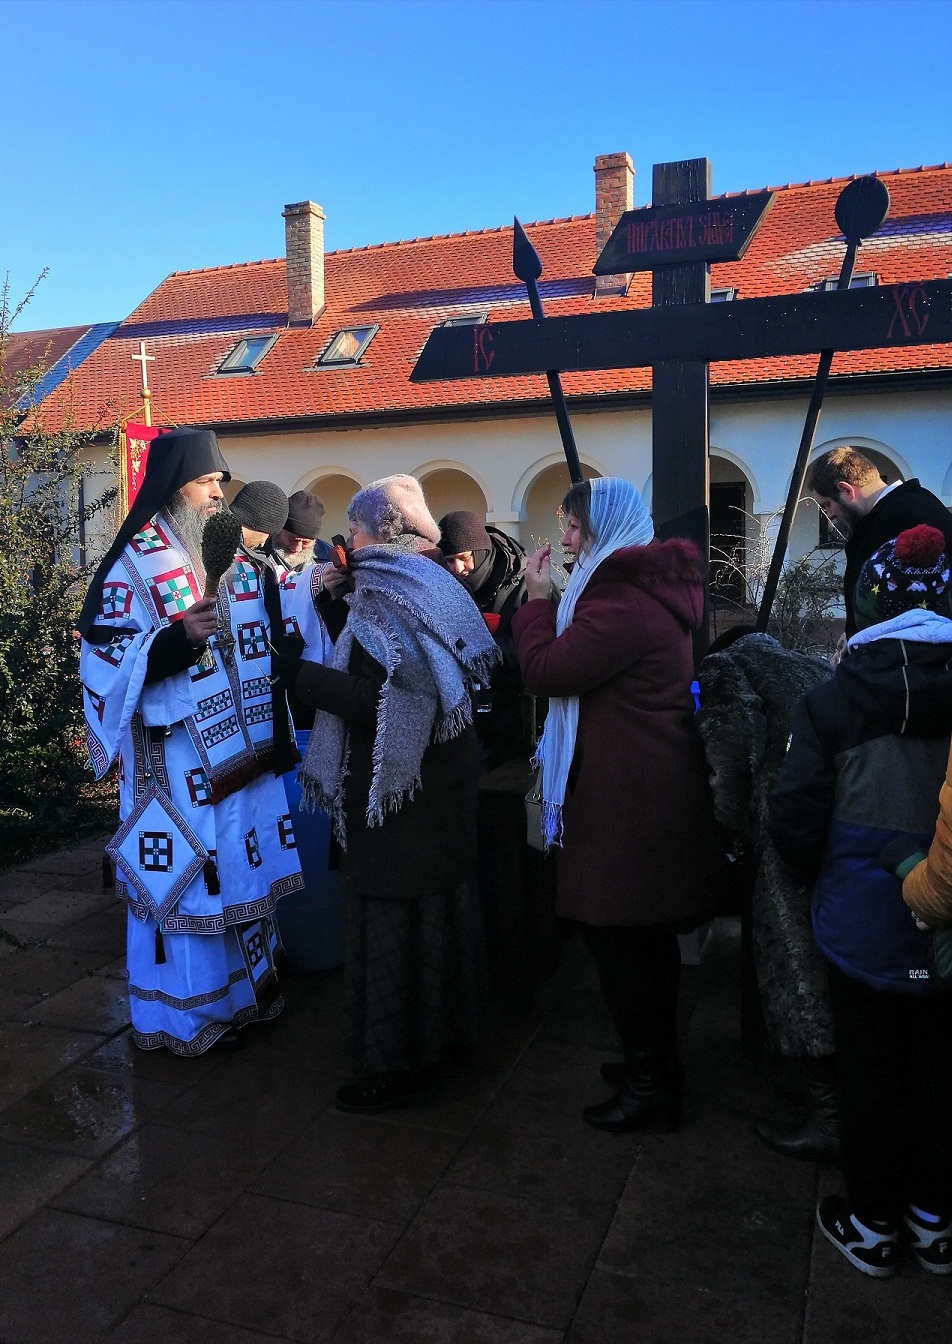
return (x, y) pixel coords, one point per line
(900, 315)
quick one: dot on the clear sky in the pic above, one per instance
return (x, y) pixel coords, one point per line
(141, 138)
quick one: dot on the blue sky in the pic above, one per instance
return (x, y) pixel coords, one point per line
(142, 138)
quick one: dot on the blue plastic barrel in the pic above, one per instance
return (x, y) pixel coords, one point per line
(311, 921)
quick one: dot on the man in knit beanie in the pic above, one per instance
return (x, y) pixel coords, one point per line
(296, 544)
(260, 507)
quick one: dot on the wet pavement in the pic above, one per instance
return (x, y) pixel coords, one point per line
(225, 1200)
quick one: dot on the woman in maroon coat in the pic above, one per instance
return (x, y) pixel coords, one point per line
(624, 783)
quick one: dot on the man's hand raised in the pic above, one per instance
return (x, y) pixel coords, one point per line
(201, 621)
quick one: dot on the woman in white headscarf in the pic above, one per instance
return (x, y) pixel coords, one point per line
(624, 785)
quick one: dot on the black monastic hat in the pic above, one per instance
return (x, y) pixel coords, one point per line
(174, 459)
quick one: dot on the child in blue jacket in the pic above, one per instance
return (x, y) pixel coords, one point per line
(859, 790)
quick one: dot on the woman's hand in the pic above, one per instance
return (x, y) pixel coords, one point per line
(333, 581)
(538, 578)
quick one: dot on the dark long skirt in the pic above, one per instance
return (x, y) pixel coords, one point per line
(414, 977)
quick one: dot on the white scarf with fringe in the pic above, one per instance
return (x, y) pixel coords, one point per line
(429, 636)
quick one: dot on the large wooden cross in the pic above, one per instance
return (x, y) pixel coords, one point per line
(677, 238)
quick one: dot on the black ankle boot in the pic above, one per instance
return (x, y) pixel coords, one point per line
(613, 1071)
(817, 1137)
(650, 1094)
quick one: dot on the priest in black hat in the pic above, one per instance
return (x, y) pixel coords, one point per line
(297, 543)
(177, 690)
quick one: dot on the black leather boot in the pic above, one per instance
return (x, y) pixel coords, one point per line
(817, 1137)
(650, 1094)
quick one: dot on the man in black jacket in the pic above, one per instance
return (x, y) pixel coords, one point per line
(516, 883)
(852, 493)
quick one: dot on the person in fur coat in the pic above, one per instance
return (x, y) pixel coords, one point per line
(624, 786)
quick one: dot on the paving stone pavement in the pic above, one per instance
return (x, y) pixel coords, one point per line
(224, 1200)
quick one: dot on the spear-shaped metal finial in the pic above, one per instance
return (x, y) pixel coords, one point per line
(527, 267)
(860, 208)
(526, 263)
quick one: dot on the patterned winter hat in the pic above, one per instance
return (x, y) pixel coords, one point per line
(911, 571)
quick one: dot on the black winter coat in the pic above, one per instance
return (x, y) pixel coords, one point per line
(867, 757)
(429, 843)
(907, 506)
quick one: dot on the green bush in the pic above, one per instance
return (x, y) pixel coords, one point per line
(47, 794)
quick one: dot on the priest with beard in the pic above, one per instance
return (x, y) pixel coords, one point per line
(177, 690)
(295, 544)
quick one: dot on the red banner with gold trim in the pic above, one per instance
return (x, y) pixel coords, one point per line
(134, 441)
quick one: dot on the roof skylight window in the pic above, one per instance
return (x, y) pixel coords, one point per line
(348, 346)
(864, 280)
(723, 295)
(247, 354)
(466, 320)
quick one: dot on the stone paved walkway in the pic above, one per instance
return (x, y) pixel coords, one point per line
(225, 1201)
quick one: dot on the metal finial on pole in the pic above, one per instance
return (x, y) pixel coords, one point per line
(527, 267)
(861, 207)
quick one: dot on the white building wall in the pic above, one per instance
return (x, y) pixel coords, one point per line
(515, 464)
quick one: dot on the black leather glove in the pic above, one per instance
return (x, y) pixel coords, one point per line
(900, 857)
(286, 663)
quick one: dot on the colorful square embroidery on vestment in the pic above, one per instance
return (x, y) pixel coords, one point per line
(155, 851)
(286, 832)
(97, 703)
(214, 704)
(253, 639)
(149, 540)
(253, 849)
(243, 586)
(219, 732)
(116, 600)
(173, 593)
(199, 787)
(113, 652)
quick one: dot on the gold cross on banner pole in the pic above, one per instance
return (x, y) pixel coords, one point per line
(144, 360)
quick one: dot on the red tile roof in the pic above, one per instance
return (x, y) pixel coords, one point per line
(194, 318)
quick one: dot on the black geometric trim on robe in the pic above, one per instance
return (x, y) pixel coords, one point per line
(195, 1001)
(206, 1038)
(233, 914)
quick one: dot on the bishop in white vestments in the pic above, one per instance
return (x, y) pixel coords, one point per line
(178, 689)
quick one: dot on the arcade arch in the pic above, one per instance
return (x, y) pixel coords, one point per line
(734, 526)
(335, 489)
(448, 488)
(542, 496)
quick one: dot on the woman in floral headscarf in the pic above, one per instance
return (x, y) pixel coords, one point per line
(623, 779)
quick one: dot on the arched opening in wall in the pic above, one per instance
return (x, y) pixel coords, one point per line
(335, 493)
(543, 502)
(732, 521)
(447, 489)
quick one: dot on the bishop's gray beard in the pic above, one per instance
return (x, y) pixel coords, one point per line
(300, 560)
(190, 524)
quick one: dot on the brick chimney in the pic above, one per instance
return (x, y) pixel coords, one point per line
(304, 246)
(614, 194)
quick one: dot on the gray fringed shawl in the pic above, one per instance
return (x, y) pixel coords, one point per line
(429, 636)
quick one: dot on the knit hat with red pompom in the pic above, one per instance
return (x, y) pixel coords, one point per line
(911, 571)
